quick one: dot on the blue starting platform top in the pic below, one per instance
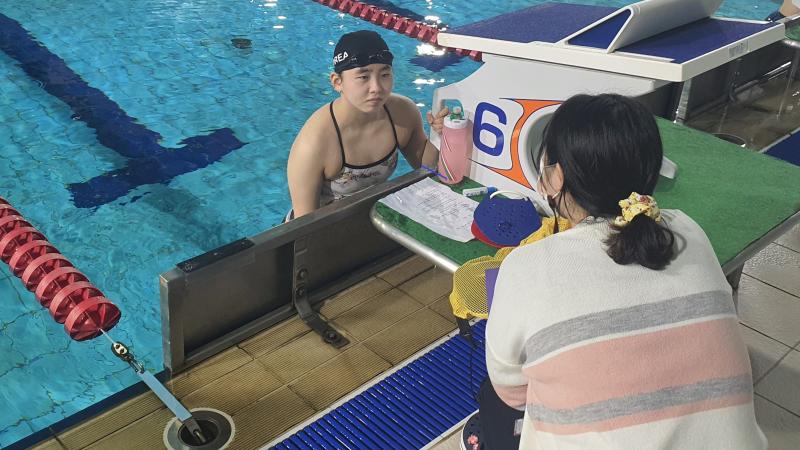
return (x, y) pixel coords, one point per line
(696, 39)
(654, 39)
(548, 22)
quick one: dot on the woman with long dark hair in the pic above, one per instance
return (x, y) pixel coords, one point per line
(621, 331)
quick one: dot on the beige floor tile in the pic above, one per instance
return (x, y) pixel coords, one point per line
(452, 442)
(275, 337)
(443, 308)
(428, 286)
(339, 376)
(51, 444)
(778, 266)
(769, 310)
(791, 239)
(782, 384)
(300, 356)
(268, 418)
(781, 427)
(406, 270)
(207, 371)
(764, 352)
(408, 336)
(354, 296)
(376, 314)
(235, 390)
(110, 421)
(145, 433)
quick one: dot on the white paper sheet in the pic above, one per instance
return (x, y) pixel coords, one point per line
(437, 207)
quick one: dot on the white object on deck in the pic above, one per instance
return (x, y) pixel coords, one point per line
(651, 17)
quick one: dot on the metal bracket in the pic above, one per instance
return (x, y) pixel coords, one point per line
(122, 352)
(300, 298)
(682, 108)
(465, 330)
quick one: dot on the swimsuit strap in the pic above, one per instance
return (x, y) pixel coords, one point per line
(339, 132)
(394, 131)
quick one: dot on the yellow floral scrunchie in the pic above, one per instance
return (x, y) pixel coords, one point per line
(637, 204)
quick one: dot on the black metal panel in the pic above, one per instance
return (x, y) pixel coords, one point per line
(240, 288)
(217, 299)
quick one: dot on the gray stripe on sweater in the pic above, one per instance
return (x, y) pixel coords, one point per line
(623, 320)
(652, 401)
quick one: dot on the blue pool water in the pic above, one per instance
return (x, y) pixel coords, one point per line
(170, 65)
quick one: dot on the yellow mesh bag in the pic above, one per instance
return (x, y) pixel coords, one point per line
(468, 298)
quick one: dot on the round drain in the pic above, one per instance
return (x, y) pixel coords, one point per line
(217, 428)
(732, 138)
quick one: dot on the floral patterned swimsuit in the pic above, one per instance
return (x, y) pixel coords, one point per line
(352, 179)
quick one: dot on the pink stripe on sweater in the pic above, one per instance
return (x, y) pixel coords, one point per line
(632, 365)
(645, 417)
(513, 396)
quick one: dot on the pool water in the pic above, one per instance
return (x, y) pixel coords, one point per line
(170, 65)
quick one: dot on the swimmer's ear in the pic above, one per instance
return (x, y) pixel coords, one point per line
(336, 81)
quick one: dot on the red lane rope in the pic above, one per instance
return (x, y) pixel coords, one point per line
(58, 286)
(394, 22)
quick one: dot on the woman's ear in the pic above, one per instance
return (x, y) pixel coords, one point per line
(556, 179)
(336, 82)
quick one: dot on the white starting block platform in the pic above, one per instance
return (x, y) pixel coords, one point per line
(670, 40)
(536, 58)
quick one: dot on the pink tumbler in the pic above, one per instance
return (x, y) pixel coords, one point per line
(455, 147)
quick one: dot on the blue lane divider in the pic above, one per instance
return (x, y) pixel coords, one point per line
(149, 161)
(409, 408)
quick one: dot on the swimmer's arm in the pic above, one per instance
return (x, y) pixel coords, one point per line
(305, 172)
(419, 151)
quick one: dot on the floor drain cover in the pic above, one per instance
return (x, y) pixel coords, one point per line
(217, 428)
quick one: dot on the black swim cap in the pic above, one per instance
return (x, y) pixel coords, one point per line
(359, 49)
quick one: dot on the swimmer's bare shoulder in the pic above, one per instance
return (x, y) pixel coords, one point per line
(317, 144)
(408, 121)
(403, 109)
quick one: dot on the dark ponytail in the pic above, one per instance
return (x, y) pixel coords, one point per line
(609, 146)
(643, 241)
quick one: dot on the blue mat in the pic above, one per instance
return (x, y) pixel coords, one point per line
(409, 408)
(695, 39)
(551, 22)
(548, 22)
(788, 149)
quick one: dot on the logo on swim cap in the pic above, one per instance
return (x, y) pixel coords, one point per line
(359, 49)
(339, 58)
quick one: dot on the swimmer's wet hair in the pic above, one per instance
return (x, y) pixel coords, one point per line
(609, 146)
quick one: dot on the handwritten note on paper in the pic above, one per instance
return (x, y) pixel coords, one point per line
(435, 206)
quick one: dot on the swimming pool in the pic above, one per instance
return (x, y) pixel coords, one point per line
(170, 65)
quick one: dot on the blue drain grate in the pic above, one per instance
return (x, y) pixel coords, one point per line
(407, 409)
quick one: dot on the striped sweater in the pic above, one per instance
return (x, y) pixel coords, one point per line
(605, 356)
